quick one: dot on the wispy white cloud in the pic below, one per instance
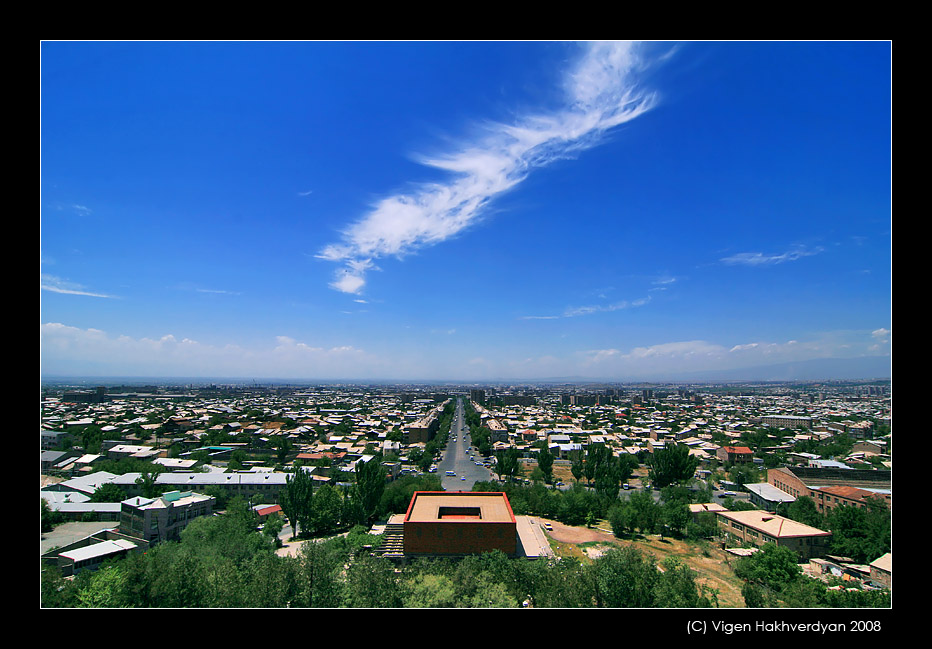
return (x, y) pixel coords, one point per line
(761, 259)
(57, 285)
(601, 93)
(881, 334)
(577, 311)
(217, 291)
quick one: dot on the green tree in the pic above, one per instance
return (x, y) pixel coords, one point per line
(47, 517)
(426, 590)
(624, 578)
(672, 464)
(272, 528)
(296, 498)
(646, 515)
(55, 591)
(577, 465)
(91, 438)
(506, 462)
(370, 485)
(490, 594)
(576, 505)
(545, 463)
(108, 493)
(327, 510)
(772, 566)
(282, 447)
(676, 516)
(319, 581)
(862, 533)
(148, 482)
(105, 589)
(371, 583)
(620, 517)
(676, 587)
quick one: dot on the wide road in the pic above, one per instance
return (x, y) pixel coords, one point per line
(457, 458)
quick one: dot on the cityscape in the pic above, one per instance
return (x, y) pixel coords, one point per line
(458, 325)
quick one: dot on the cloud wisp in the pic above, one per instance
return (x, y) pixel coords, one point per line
(577, 311)
(601, 93)
(761, 259)
(57, 285)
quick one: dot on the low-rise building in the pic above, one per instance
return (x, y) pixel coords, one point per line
(249, 485)
(828, 498)
(162, 519)
(810, 481)
(457, 523)
(881, 570)
(735, 454)
(91, 556)
(764, 495)
(759, 527)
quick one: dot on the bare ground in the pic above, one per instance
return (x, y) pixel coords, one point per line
(711, 563)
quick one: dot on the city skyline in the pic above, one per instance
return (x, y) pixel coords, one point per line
(468, 211)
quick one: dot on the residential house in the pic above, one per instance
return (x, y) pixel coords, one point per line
(735, 454)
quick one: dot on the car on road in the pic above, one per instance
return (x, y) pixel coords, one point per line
(729, 493)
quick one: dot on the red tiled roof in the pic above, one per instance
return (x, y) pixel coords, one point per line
(737, 449)
(852, 493)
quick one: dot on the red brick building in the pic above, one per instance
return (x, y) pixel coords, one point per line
(735, 454)
(456, 523)
(828, 498)
(831, 487)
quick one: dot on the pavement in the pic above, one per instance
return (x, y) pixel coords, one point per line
(533, 540)
(68, 533)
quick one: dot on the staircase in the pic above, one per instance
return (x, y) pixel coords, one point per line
(393, 541)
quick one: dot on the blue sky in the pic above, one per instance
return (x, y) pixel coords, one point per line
(467, 211)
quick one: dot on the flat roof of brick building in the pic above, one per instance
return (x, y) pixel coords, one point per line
(473, 506)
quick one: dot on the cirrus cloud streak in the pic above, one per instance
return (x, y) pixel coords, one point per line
(601, 93)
